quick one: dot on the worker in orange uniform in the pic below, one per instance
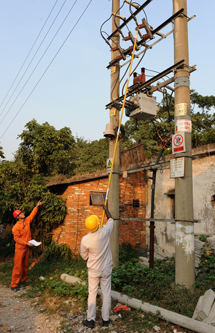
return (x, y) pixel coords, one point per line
(22, 235)
(95, 248)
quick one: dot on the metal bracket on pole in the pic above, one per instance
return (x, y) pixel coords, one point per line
(149, 35)
(182, 81)
(129, 19)
(137, 87)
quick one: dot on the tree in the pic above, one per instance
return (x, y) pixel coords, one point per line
(46, 150)
(156, 133)
(20, 189)
(153, 134)
(203, 122)
(91, 155)
(1, 152)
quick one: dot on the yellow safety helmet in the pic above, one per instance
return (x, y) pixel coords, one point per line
(92, 223)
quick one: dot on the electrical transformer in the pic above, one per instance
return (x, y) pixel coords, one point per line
(145, 107)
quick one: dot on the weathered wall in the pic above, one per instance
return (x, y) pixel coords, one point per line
(204, 208)
(164, 232)
(132, 187)
(203, 190)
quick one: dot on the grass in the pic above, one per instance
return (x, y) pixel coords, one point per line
(156, 286)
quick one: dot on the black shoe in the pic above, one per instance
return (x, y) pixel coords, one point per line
(88, 323)
(106, 323)
(15, 288)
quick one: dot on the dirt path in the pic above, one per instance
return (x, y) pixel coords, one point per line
(18, 314)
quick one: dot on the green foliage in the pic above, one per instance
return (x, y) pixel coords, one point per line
(153, 134)
(55, 260)
(12, 188)
(206, 275)
(46, 150)
(203, 102)
(56, 252)
(19, 189)
(130, 273)
(50, 216)
(155, 286)
(1, 152)
(5, 273)
(91, 155)
(167, 267)
(203, 238)
(7, 247)
(156, 133)
(203, 122)
(127, 253)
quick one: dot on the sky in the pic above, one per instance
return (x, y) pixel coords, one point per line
(53, 62)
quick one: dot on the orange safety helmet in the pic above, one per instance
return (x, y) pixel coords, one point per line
(16, 213)
(92, 223)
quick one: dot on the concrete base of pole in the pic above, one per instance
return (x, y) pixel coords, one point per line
(172, 317)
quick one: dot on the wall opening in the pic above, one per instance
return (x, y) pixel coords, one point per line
(171, 195)
(213, 200)
(97, 198)
(136, 203)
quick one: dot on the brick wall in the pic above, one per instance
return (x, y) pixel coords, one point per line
(77, 197)
(132, 192)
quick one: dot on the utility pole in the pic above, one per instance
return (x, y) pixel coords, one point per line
(184, 234)
(113, 197)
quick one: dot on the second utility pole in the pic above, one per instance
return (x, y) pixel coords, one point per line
(113, 197)
(184, 233)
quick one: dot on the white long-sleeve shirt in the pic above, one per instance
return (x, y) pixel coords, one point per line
(95, 247)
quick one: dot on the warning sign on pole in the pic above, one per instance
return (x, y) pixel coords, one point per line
(109, 164)
(178, 143)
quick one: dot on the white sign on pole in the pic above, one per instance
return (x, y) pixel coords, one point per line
(183, 125)
(177, 167)
(178, 143)
(109, 164)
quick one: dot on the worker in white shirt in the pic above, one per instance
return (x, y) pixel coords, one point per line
(95, 248)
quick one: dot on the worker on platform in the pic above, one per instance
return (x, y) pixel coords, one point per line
(95, 248)
(22, 235)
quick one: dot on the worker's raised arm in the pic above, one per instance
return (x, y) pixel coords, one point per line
(33, 213)
(108, 214)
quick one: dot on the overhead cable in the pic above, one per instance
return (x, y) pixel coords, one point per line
(47, 67)
(36, 54)
(28, 55)
(39, 60)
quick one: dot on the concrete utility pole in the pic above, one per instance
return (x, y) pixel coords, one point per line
(113, 197)
(184, 235)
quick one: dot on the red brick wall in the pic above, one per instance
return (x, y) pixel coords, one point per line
(79, 208)
(132, 188)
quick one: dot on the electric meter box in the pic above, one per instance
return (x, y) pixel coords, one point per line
(146, 107)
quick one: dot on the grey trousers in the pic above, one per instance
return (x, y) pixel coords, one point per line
(94, 278)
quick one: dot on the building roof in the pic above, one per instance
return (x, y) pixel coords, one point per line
(133, 160)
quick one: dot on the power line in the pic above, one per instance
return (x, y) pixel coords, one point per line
(28, 55)
(47, 67)
(39, 60)
(32, 59)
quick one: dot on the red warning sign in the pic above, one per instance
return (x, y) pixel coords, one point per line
(178, 143)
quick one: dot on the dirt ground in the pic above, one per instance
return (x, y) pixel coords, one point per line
(21, 314)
